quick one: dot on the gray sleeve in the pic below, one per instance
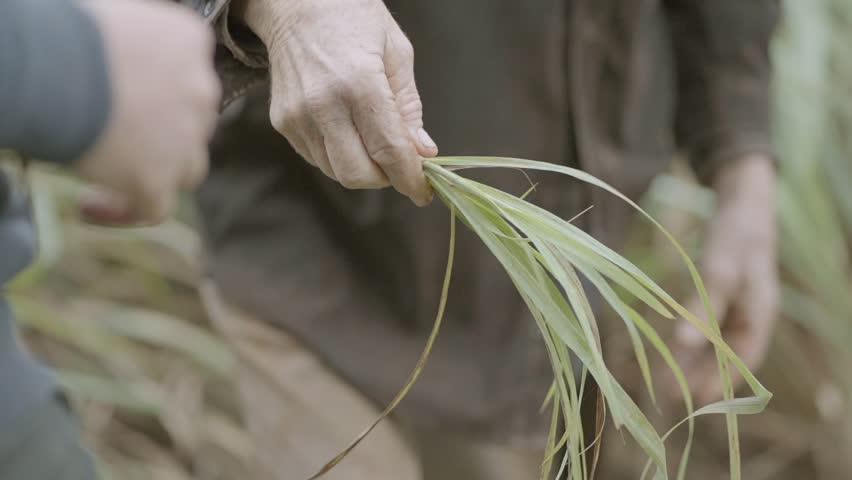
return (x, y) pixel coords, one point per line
(54, 84)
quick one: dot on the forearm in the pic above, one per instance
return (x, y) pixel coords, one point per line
(54, 85)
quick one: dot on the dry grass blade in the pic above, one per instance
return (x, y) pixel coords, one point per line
(116, 313)
(421, 363)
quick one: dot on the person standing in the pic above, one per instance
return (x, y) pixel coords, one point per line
(326, 286)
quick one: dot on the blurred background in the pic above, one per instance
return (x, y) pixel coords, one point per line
(120, 318)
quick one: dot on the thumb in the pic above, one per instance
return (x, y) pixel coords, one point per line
(426, 147)
(399, 67)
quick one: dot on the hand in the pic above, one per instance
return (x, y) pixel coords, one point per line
(740, 272)
(343, 90)
(165, 97)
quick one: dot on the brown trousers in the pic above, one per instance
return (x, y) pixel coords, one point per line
(300, 414)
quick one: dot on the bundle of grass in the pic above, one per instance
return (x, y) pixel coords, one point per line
(545, 255)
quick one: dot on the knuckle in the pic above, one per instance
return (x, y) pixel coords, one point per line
(370, 183)
(406, 49)
(354, 177)
(360, 83)
(318, 100)
(389, 153)
(283, 118)
(353, 181)
(347, 182)
(348, 88)
(301, 149)
(411, 109)
(330, 122)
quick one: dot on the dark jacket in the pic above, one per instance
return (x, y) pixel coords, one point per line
(54, 102)
(614, 87)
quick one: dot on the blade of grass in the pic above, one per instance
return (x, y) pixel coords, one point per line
(418, 369)
(761, 395)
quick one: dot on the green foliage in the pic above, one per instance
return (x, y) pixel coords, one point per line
(116, 312)
(544, 256)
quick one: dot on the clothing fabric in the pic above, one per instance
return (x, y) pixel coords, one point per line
(39, 438)
(612, 87)
(55, 100)
(54, 84)
(45, 444)
(22, 382)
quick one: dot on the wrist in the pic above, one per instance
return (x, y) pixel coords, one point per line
(752, 176)
(268, 19)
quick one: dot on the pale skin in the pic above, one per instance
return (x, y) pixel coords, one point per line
(163, 111)
(739, 268)
(343, 90)
(343, 94)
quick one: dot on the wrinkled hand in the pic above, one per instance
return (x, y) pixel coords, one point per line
(165, 98)
(739, 270)
(343, 90)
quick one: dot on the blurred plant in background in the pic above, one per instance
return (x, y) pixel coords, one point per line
(814, 138)
(120, 317)
(807, 430)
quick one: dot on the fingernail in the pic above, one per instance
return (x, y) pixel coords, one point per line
(426, 140)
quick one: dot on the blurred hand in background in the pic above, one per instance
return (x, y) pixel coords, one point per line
(739, 268)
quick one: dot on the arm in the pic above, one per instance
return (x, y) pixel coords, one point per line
(45, 115)
(723, 123)
(723, 76)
